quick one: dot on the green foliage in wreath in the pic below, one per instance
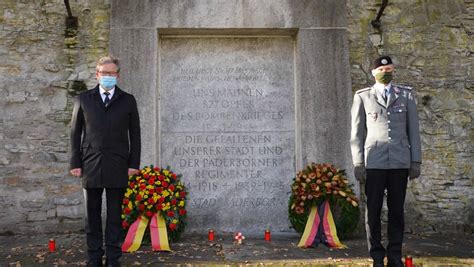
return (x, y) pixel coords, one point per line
(317, 183)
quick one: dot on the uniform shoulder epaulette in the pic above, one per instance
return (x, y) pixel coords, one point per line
(362, 90)
(404, 87)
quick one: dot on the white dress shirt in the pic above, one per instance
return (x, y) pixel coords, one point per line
(102, 91)
(380, 87)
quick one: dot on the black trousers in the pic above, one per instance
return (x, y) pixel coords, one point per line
(113, 225)
(395, 182)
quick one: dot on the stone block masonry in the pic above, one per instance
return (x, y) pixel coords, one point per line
(41, 68)
(42, 65)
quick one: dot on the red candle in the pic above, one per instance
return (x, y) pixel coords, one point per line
(210, 236)
(408, 261)
(52, 245)
(267, 235)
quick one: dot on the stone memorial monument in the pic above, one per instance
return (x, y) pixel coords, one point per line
(237, 96)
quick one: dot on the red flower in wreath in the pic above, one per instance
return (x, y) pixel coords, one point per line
(171, 187)
(172, 226)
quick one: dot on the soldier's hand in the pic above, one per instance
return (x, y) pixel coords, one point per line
(359, 173)
(77, 172)
(415, 170)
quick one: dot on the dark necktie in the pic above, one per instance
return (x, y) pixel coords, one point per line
(385, 94)
(107, 99)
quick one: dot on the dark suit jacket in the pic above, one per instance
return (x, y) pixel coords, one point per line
(105, 141)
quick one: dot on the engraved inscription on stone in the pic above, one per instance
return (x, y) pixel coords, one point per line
(227, 123)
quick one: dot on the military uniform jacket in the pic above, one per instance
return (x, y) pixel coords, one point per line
(105, 141)
(385, 134)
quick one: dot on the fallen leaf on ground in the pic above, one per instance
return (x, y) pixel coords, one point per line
(61, 262)
(16, 249)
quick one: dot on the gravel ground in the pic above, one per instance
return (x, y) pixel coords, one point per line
(195, 250)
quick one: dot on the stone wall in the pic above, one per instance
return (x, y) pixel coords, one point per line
(42, 66)
(431, 44)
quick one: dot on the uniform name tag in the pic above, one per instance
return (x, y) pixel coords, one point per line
(399, 106)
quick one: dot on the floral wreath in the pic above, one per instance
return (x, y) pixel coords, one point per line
(154, 190)
(317, 183)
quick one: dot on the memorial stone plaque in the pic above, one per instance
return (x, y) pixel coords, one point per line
(227, 124)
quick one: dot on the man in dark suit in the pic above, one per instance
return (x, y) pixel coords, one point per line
(386, 149)
(105, 150)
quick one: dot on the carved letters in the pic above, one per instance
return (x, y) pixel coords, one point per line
(227, 123)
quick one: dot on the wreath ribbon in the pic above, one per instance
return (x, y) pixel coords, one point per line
(159, 235)
(320, 228)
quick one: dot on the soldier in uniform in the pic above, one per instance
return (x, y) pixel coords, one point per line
(386, 150)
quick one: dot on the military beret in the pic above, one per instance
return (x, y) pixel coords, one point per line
(382, 61)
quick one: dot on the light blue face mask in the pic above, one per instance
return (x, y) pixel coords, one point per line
(108, 82)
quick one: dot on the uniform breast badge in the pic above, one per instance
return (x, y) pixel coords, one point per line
(373, 115)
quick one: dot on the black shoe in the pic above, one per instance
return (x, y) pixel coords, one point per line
(395, 263)
(94, 263)
(112, 263)
(378, 263)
